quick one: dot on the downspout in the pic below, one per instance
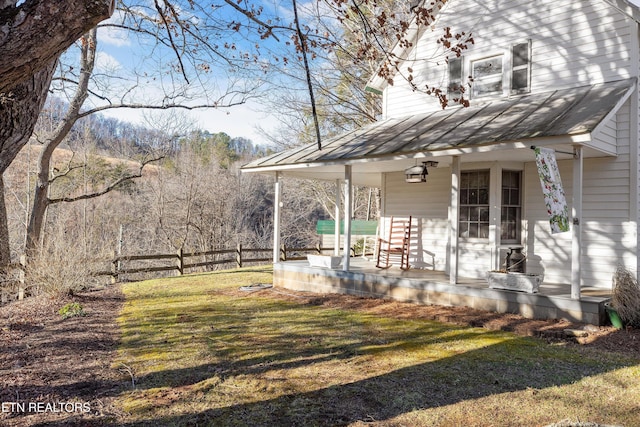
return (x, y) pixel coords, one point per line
(634, 136)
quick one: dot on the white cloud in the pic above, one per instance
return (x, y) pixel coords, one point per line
(238, 122)
(113, 36)
(104, 61)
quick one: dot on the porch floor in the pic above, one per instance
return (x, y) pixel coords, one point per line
(553, 300)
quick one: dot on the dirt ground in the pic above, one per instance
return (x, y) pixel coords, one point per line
(56, 371)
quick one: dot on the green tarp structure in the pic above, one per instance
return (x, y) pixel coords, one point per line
(358, 227)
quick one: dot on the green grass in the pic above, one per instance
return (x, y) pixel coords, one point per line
(203, 353)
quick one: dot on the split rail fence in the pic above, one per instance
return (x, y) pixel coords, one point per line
(182, 262)
(147, 266)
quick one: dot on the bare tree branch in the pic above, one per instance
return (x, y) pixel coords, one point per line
(115, 184)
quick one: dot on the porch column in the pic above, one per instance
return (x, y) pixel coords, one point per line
(276, 218)
(576, 230)
(454, 216)
(348, 193)
(336, 233)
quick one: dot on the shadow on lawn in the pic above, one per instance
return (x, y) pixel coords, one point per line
(482, 372)
(473, 374)
(469, 375)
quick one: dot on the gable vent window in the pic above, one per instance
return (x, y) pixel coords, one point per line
(521, 67)
(487, 76)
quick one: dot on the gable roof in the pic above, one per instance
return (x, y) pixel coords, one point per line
(569, 115)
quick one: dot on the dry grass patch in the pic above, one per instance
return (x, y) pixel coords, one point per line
(202, 352)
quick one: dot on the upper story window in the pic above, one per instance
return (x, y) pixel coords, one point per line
(487, 76)
(521, 67)
(455, 77)
(501, 74)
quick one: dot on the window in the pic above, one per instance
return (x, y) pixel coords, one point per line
(487, 76)
(520, 67)
(455, 77)
(511, 206)
(495, 75)
(474, 204)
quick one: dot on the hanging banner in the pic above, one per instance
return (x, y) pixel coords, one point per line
(552, 189)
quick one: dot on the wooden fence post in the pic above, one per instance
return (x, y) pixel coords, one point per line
(283, 252)
(21, 273)
(180, 262)
(115, 264)
(239, 255)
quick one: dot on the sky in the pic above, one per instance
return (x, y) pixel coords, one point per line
(238, 121)
(118, 51)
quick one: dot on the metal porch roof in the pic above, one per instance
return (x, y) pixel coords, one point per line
(566, 112)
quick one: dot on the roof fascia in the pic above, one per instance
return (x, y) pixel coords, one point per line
(579, 139)
(596, 130)
(626, 8)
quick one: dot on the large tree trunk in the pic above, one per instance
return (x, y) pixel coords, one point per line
(19, 113)
(5, 250)
(35, 33)
(41, 197)
(18, 116)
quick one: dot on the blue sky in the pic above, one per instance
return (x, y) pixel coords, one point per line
(120, 53)
(117, 50)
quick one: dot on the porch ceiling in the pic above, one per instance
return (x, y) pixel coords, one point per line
(498, 130)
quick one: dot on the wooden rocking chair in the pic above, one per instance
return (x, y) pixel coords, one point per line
(396, 247)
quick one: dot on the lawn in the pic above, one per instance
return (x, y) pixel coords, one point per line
(197, 350)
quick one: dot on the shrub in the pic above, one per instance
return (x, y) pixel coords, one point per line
(73, 309)
(57, 271)
(626, 297)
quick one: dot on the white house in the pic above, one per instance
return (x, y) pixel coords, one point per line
(555, 74)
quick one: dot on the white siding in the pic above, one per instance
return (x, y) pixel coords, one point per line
(574, 43)
(608, 230)
(428, 204)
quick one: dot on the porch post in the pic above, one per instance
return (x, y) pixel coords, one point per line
(276, 218)
(576, 230)
(336, 233)
(454, 216)
(347, 217)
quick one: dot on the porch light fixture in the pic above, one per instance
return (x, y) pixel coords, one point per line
(417, 173)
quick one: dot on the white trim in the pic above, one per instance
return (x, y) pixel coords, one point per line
(454, 217)
(576, 228)
(336, 229)
(495, 213)
(583, 138)
(348, 213)
(277, 202)
(614, 110)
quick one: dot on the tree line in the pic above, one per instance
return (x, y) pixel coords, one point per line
(191, 198)
(168, 185)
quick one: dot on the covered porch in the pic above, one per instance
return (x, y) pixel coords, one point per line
(576, 124)
(552, 301)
